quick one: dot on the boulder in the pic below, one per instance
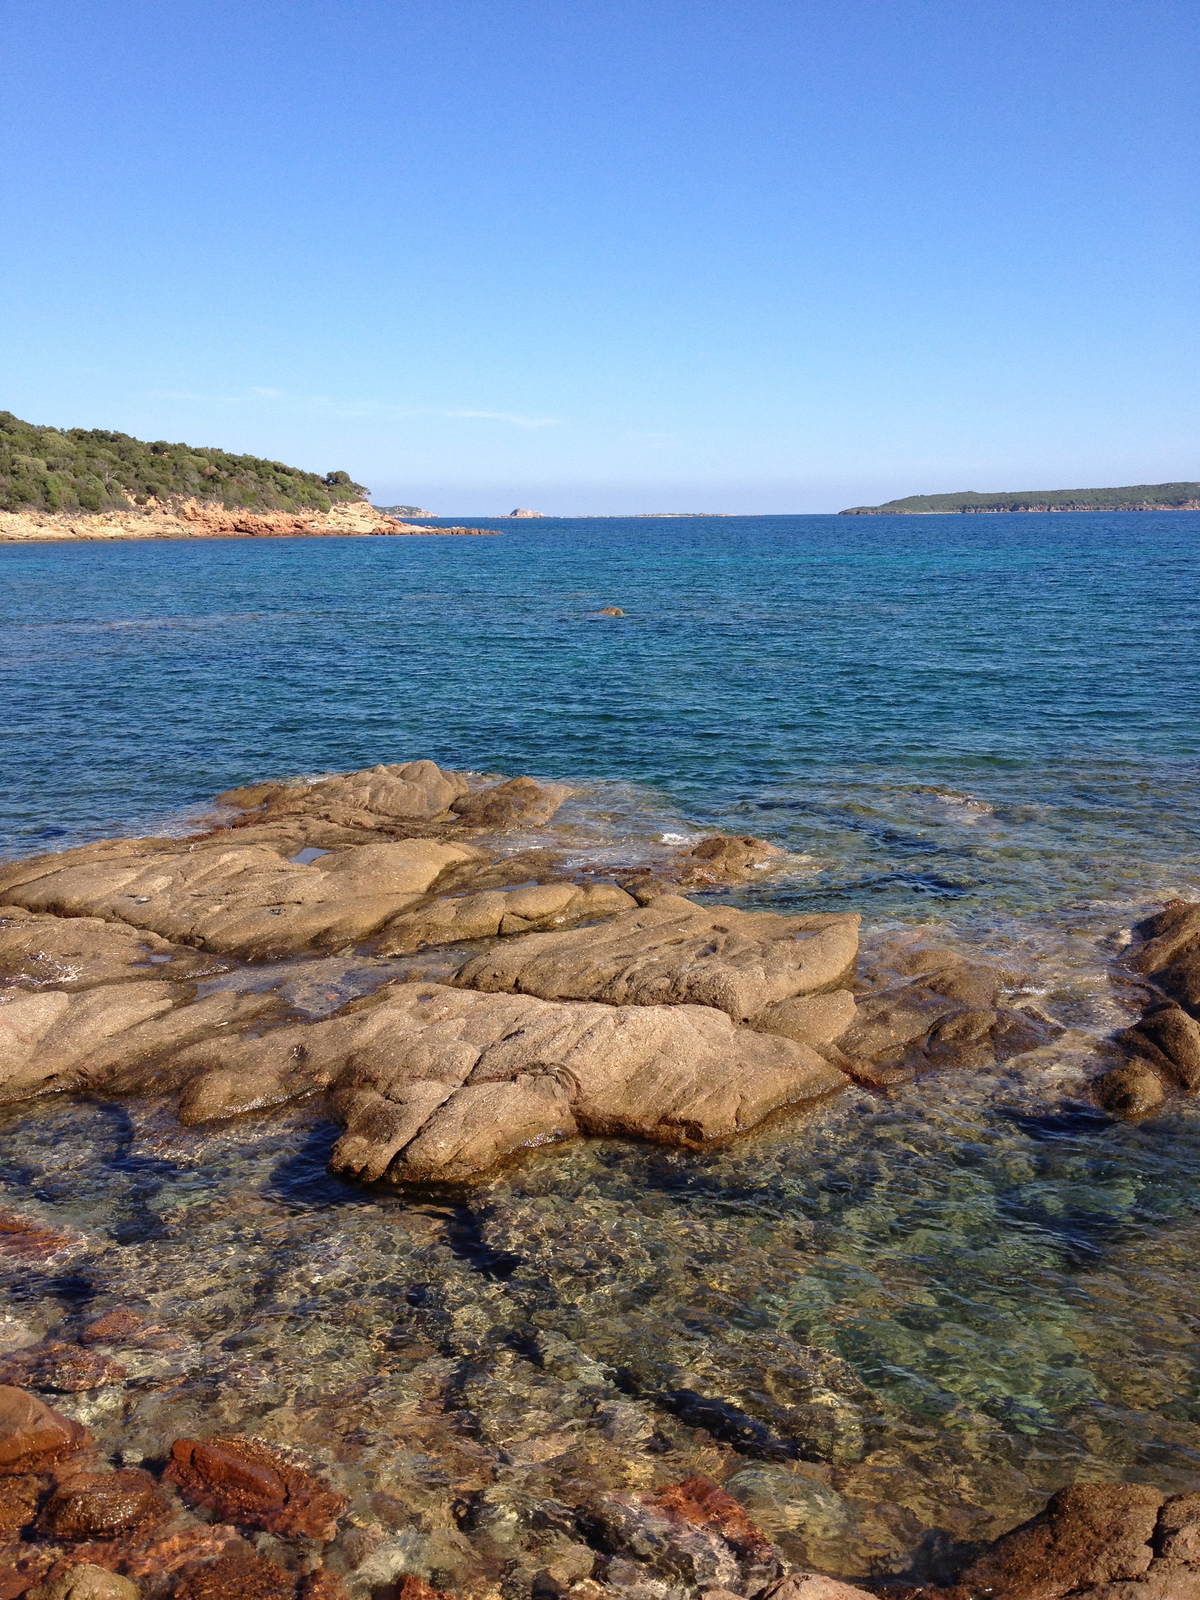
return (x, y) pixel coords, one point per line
(249, 1483)
(246, 900)
(410, 791)
(812, 1019)
(18, 1504)
(67, 953)
(1130, 1090)
(60, 1367)
(500, 911)
(104, 1505)
(86, 1582)
(236, 1577)
(33, 1437)
(1169, 1038)
(519, 803)
(1165, 937)
(1088, 1534)
(672, 952)
(438, 1082)
(721, 858)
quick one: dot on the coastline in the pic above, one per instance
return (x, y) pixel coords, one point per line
(509, 1360)
(191, 520)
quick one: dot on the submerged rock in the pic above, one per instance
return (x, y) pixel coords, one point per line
(104, 1505)
(87, 1582)
(246, 1482)
(236, 1577)
(672, 952)
(33, 1437)
(723, 858)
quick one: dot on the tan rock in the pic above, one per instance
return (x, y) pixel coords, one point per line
(722, 858)
(1130, 1090)
(1167, 936)
(518, 803)
(810, 1586)
(495, 912)
(116, 1038)
(812, 1019)
(432, 1081)
(247, 901)
(1168, 1037)
(672, 952)
(40, 952)
(86, 1582)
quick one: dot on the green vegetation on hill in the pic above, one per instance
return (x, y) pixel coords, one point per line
(1139, 497)
(91, 469)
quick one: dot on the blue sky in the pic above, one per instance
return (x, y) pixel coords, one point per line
(657, 255)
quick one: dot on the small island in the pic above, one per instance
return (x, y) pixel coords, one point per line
(1137, 497)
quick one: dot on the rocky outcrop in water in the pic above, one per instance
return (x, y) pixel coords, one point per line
(1163, 1046)
(559, 1005)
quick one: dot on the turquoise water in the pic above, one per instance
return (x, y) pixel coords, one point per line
(1001, 710)
(888, 1324)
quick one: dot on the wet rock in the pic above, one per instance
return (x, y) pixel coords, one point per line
(1089, 1534)
(1168, 1037)
(104, 1505)
(236, 1577)
(809, 1586)
(1165, 937)
(1181, 980)
(697, 1556)
(87, 1582)
(33, 1437)
(18, 1504)
(323, 1586)
(1130, 1090)
(700, 1503)
(724, 859)
(184, 1549)
(242, 900)
(61, 1367)
(23, 1239)
(812, 1019)
(495, 912)
(413, 1588)
(519, 803)
(120, 1326)
(672, 952)
(71, 953)
(405, 792)
(249, 1483)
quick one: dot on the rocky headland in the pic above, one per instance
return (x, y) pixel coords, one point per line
(191, 519)
(497, 996)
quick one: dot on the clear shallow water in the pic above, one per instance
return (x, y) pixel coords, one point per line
(984, 726)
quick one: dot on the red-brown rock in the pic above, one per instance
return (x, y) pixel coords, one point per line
(60, 1367)
(33, 1437)
(115, 1327)
(414, 1588)
(104, 1505)
(185, 1549)
(22, 1239)
(323, 1585)
(704, 1504)
(1089, 1534)
(236, 1578)
(18, 1503)
(21, 1568)
(251, 1484)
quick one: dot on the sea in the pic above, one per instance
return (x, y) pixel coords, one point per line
(890, 1325)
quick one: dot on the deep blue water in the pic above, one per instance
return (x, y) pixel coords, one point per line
(993, 710)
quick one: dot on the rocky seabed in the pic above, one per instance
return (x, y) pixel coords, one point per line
(418, 956)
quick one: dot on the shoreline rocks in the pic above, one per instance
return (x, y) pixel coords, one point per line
(190, 519)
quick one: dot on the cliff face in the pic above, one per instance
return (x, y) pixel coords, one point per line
(190, 520)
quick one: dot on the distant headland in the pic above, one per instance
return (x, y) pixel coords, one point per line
(92, 483)
(1138, 497)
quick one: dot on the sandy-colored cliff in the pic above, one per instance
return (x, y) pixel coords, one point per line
(191, 520)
